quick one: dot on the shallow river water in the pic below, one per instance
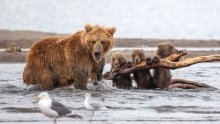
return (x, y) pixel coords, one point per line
(127, 106)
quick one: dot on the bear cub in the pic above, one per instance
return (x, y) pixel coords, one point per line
(143, 78)
(122, 81)
(163, 76)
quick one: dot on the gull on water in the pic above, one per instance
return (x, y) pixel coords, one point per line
(52, 108)
(92, 106)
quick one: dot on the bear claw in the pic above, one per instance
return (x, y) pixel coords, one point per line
(155, 59)
(149, 61)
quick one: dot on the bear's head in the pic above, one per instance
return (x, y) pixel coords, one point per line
(118, 59)
(166, 49)
(137, 56)
(98, 40)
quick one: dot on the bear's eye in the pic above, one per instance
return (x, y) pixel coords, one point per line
(93, 42)
(133, 56)
(103, 42)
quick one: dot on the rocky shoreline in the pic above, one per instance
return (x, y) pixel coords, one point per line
(25, 39)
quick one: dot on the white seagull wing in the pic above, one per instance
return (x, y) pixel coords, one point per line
(95, 105)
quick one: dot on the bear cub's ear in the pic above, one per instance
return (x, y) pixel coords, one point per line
(160, 45)
(87, 27)
(111, 30)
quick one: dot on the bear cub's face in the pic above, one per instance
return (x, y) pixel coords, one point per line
(137, 56)
(166, 49)
(99, 40)
(118, 59)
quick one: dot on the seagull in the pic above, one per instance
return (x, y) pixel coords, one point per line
(52, 108)
(92, 106)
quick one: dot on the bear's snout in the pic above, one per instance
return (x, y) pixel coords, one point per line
(116, 63)
(97, 55)
(137, 59)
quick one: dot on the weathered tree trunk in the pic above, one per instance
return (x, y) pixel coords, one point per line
(164, 63)
(182, 82)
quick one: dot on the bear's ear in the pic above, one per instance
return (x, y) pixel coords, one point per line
(111, 30)
(159, 46)
(87, 27)
(133, 50)
(142, 50)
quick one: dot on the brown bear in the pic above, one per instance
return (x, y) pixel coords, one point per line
(122, 81)
(163, 76)
(143, 78)
(62, 61)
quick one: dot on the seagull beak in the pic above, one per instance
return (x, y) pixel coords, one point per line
(37, 98)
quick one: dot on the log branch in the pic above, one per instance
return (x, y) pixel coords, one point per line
(166, 63)
(111, 72)
(177, 81)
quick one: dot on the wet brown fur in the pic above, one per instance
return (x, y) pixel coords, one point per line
(163, 76)
(143, 78)
(61, 61)
(122, 81)
(97, 71)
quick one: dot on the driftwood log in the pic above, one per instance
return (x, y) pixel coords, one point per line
(187, 84)
(168, 63)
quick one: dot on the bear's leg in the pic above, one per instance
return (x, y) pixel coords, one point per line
(80, 82)
(29, 75)
(80, 85)
(81, 78)
(46, 80)
(99, 75)
(48, 85)
(153, 83)
(64, 82)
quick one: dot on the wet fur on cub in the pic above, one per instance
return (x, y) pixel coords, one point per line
(143, 78)
(163, 76)
(122, 81)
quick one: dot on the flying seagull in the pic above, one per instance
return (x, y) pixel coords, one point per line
(92, 106)
(52, 108)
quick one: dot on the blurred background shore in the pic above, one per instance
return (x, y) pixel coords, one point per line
(14, 45)
(190, 24)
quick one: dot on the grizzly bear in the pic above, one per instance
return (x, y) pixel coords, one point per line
(143, 78)
(163, 76)
(121, 81)
(62, 61)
